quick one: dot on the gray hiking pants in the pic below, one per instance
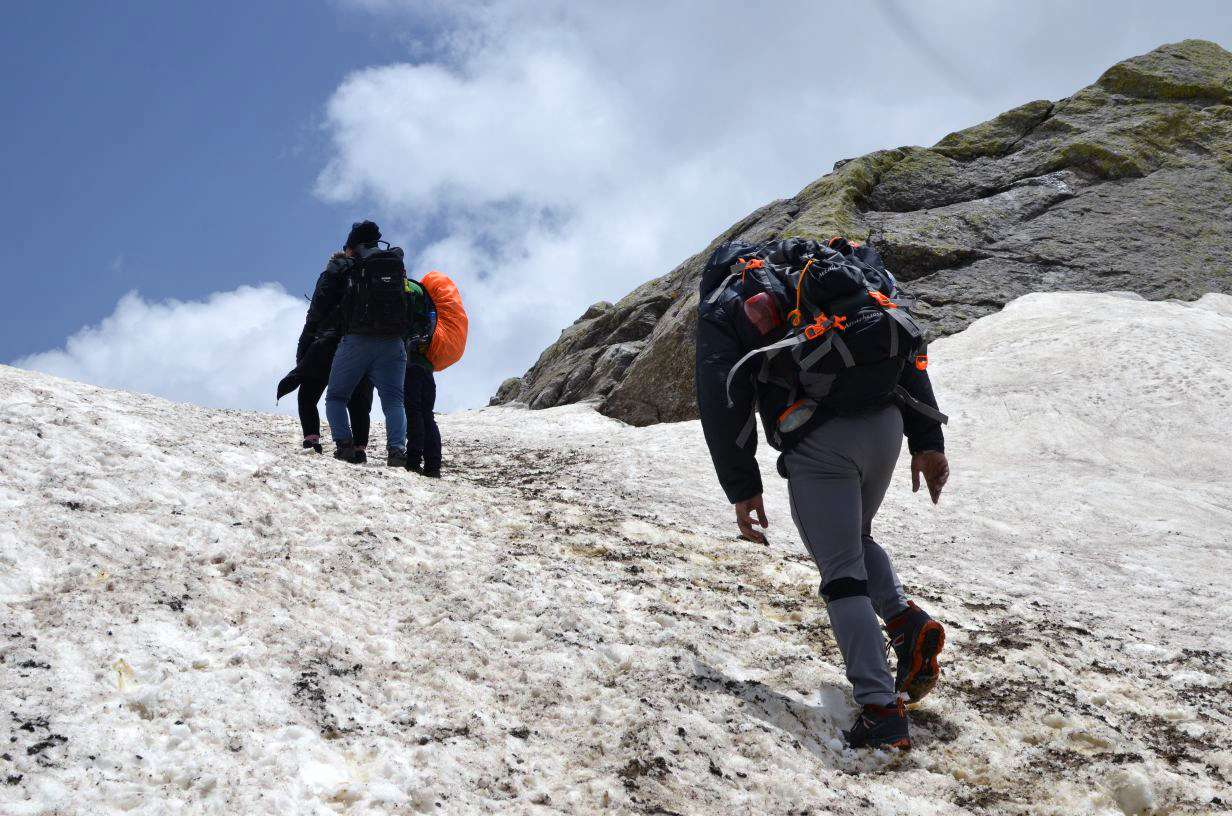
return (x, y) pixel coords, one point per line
(837, 477)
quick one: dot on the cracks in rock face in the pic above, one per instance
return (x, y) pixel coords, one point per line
(1013, 146)
(916, 260)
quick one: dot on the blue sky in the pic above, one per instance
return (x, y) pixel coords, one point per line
(166, 147)
(207, 157)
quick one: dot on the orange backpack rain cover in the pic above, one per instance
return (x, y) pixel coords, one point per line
(449, 339)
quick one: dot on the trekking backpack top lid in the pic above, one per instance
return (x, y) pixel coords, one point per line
(823, 323)
(449, 338)
(376, 298)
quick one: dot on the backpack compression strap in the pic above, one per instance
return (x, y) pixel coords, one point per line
(771, 349)
(904, 398)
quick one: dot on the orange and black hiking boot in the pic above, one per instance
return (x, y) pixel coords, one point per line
(880, 727)
(917, 640)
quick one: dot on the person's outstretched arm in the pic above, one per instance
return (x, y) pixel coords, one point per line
(731, 431)
(925, 439)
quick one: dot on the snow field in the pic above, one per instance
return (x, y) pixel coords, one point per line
(198, 618)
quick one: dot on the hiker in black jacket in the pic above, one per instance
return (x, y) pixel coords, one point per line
(423, 436)
(368, 287)
(838, 464)
(314, 356)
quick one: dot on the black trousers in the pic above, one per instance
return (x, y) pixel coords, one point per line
(423, 437)
(359, 407)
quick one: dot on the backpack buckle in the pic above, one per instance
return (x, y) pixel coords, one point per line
(823, 324)
(881, 300)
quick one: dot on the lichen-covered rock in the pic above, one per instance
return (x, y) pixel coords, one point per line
(1126, 185)
(508, 391)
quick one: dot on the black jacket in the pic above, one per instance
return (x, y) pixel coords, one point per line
(325, 311)
(731, 438)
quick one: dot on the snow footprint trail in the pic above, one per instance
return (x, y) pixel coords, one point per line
(216, 623)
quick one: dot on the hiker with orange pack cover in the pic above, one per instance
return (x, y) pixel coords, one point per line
(437, 340)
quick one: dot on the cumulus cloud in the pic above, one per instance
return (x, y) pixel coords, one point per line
(552, 154)
(227, 351)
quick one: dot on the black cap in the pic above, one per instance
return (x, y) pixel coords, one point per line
(363, 233)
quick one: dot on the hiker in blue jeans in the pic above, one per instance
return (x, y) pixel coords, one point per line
(366, 286)
(383, 361)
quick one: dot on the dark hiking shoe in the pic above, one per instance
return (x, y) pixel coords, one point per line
(310, 445)
(435, 473)
(396, 458)
(917, 640)
(880, 727)
(347, 452)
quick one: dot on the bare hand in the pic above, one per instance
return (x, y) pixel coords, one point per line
(744, 518)
(936, 470)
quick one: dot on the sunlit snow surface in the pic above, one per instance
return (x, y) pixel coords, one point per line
(197, 617)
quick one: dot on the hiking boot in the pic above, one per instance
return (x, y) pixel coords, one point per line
(434, 473)
(313, 444)
(396, 458)
(917, 640)
(347, 452)
(880, 727)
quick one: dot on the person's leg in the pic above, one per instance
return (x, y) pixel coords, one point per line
(824, 484)
(879, 456)
(309, 395)
(415, 428)
(917, 639)
(884, 588)
(388, 373)
(432, 437)
(349, 366)
(360, 410)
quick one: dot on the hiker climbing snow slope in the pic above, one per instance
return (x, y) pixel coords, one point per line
(368, 287)
(437, 340)
(314, 357)
(817, 340)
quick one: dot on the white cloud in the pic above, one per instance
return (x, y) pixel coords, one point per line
(553, 153)
(573, 150)
(227, 351)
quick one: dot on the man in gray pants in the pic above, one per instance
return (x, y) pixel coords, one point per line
(838, 466)
(836, 478)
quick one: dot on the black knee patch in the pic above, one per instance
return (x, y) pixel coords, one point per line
(843, 588)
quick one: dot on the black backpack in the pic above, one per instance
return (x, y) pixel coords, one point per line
(376, 295)
(823, 324)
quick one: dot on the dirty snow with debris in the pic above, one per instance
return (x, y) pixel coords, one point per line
(198, 618)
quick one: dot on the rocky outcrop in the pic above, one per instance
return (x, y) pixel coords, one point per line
(1126, 185)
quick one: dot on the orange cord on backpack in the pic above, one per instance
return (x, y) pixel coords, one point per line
(795, 315)
(756, 263)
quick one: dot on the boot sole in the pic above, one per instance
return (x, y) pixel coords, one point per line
(924, 673)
